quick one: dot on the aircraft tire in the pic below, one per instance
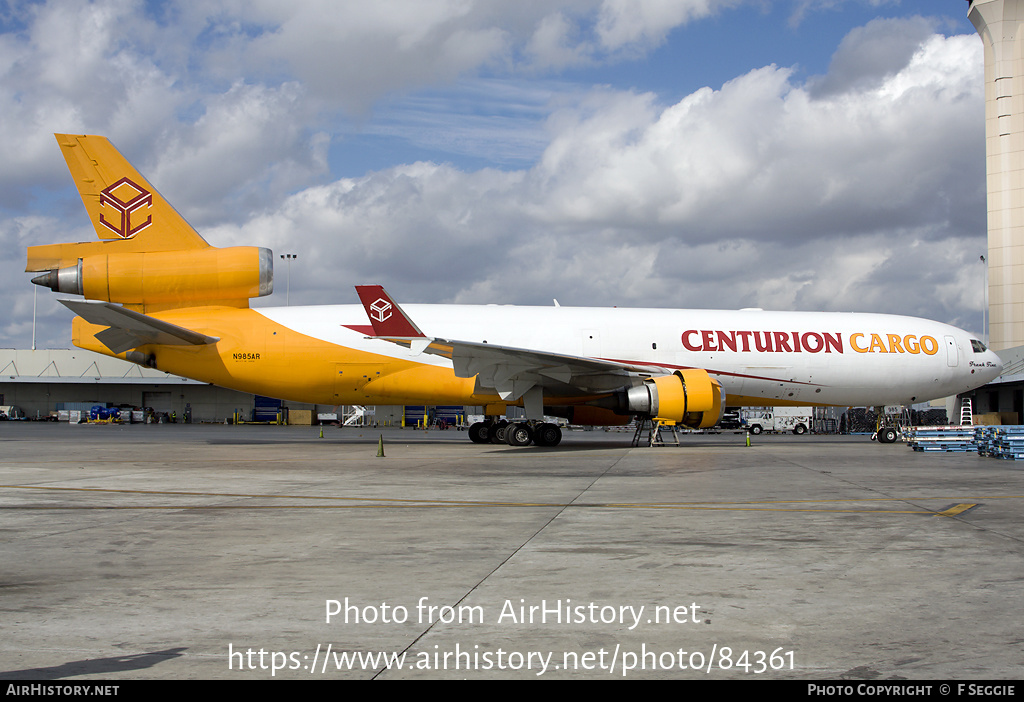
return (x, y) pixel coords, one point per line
(518, 434)
(547, 435)
(478, 433)
(887, 436)
(497, 433)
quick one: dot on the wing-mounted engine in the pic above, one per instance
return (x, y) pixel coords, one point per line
(689, 397)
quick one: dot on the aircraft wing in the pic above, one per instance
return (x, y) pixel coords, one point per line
(510, 371)
(128, 329)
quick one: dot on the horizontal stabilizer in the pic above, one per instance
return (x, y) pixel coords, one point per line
(129, 330)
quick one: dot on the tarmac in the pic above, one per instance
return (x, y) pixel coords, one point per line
(244, 552)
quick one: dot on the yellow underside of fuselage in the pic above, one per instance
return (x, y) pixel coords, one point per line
(257, 355)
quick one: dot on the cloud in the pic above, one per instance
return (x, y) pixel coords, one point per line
(801, 8)
(69, 71)
(859, 189)
(355, 57)
(869, 55)
(645, 22)
(762, 193)
(764, 158)
(250, 141)
(166, 80)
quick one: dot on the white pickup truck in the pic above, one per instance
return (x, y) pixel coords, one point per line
(777, 419)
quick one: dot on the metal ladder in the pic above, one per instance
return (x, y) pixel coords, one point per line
(654, 435)
(966, 413)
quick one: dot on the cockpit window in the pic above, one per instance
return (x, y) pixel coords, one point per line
(978, 346)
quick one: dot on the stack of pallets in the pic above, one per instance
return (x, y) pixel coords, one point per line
(1005, 441)
(949, 438)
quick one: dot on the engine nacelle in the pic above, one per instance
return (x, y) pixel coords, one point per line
(690, 397)
(168, 277)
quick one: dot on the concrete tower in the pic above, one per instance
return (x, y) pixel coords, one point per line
(1001, 26)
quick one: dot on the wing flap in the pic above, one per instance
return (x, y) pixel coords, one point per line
(514, 371)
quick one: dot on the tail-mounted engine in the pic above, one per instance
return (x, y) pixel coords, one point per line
(193, 276)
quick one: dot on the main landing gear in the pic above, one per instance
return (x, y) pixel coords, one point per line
(515, 433)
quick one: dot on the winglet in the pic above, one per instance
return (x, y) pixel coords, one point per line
(388, 319)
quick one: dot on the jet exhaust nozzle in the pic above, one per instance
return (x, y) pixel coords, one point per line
(65, 280)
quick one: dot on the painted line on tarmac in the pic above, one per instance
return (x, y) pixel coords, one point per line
(386, 503)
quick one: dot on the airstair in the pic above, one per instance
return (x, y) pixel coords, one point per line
(353, 415)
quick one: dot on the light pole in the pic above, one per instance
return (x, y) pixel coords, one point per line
(288, 278)
(984, 303)
(34, 318)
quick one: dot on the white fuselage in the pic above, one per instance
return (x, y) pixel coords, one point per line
(823, 358)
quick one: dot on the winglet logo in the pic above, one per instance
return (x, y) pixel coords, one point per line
(381, 310)
(126, 197)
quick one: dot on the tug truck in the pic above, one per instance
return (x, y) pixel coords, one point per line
(777, 419)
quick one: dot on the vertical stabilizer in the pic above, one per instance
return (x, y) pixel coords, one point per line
(148, 257)
(122, 204)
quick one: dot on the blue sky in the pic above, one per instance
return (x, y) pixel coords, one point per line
(708, 52)
(786, 154)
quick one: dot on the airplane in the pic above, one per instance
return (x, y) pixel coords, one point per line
(155, 293)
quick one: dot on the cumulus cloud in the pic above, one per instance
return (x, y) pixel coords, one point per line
(632, 22)
(870, 54)
(354, 57)
(761, 193)
(764, 158)
(802, 8)
(859, 189)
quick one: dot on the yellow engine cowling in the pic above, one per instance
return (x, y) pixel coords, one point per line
(690, 397)
(192, 276)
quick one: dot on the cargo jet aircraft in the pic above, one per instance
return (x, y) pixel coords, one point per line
(155, 293)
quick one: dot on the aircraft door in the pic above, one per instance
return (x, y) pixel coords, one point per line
(952, 352)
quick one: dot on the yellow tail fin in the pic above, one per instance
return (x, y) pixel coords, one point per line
(121, 203)
(128, 214)
(148, 257)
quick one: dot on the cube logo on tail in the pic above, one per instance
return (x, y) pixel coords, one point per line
(386, 316)
(380, 310)
(125, 198)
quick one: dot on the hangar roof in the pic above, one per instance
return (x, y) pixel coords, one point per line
(78, 366)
